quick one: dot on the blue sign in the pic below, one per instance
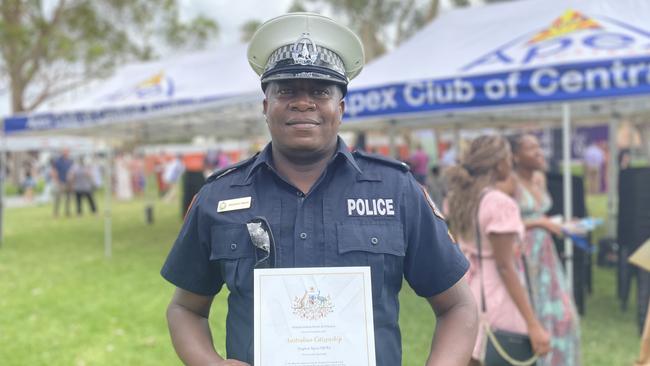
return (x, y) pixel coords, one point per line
(610, 78)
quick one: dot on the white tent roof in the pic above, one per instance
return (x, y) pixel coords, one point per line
(514, 53)
(512, 57)
(211, 92)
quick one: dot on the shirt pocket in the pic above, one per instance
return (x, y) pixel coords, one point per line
(231, 246)
(380, 246)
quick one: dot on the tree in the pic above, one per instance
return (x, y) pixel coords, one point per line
(297, 7)
(248, 29)
(383, 23)
(46, 51)
(461, 3)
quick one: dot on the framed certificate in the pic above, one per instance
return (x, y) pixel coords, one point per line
(313, 317)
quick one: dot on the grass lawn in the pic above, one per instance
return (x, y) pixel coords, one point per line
(63, 303)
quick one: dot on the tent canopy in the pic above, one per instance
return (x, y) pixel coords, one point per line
(515, 53)
(207, 92)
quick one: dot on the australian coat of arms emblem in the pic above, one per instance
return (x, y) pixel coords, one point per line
(312, 305)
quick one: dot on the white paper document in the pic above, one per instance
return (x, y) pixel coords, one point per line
(313, 317)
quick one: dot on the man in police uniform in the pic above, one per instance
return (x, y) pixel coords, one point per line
(325, 205)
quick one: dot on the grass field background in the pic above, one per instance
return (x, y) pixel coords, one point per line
(63, 303)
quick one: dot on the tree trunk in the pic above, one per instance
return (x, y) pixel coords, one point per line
(17, 91)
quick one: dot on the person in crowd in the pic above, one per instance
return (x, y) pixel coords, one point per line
(62, 188)
(309, 174)
(123, 186)
(624, 158)
(419, 162)
(436, 186)
(223, 160)
(508, 185)
(211, 161)
(97, 172)
(551, 294)
(477, 207)
(449, 158)
(28, 184)
(138, 178)
(82, 183)
(48, 171)
(172, 175)
(594, 158)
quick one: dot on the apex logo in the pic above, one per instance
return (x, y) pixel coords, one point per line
(157, 85)
(571, 34)
(569, 22)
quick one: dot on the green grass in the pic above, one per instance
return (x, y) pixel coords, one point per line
(63, 303)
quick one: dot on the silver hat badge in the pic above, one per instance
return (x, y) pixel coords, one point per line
(304, 50)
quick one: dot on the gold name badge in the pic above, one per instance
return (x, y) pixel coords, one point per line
(234, 204)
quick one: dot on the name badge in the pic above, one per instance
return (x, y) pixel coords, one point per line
(234, 204)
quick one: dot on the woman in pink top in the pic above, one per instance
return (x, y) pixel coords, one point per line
(472, 191)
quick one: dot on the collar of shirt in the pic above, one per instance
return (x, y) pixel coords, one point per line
(265, 158)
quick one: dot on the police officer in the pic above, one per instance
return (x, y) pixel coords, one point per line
(325, 205)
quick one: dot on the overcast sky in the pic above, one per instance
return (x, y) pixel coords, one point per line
(231, 14)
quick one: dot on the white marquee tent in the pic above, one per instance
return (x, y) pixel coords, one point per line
(535, 61)
(514, 56)
(176, 98)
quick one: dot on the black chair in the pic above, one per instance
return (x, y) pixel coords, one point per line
(633, 230)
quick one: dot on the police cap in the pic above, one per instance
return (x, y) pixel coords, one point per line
(305, 46)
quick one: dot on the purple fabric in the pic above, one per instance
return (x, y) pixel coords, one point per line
(419, 162)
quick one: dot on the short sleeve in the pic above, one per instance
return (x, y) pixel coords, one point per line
(499, 214)
(434, 262)
(188, 265)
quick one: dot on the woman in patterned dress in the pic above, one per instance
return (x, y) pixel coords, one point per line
(552, 296)
(475, 195)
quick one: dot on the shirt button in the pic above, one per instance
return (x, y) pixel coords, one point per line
(374, 240)
(303, 236)
(233, 246)
(299, 194)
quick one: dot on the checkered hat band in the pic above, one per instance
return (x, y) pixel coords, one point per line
(326, 58)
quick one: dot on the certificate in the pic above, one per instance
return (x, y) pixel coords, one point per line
(313, 317)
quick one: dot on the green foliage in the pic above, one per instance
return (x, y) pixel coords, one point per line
(248, 29)
(297, 7)
(64, 303)
(382, 24)
(46, 52)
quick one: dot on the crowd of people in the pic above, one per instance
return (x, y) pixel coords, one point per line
(495, 200)
(68, 178)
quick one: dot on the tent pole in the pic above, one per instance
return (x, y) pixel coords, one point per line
(108, 192)
(567, 192)
(3, 171)
(456, 138)
(612, 179)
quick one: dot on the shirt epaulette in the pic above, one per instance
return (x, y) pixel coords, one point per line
(227, 170)
(382, 159)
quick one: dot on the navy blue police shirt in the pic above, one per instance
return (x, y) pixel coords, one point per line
(363, 211)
